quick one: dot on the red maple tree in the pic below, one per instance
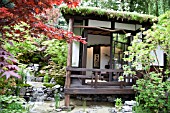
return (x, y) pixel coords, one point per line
(28, 11)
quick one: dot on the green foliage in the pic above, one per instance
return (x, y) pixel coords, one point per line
(152, 91)
(118, 104)
(17, 31)
(109, 14)
(168, 102)
(46, 78)
(154, 7)
(60, 80)
(121, 78)
(7, 86)
(106, 4)
(48, 85)
(84, 106)
(11, 104)
(24, 85)
(57, 50)
(140, 109)
(152, 88)
(57, 100)
(21, 48)
(49, 54)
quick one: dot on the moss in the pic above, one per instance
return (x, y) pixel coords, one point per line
(110, 14)
(48, 85)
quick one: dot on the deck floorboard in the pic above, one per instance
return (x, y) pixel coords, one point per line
(77, 88)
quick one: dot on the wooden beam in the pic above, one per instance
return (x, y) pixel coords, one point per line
(94, 70)
(82, 76)
(118, 90)
(113, 83)
(69, 61)
(99, 28)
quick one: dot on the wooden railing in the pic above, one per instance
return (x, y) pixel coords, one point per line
(97, 75)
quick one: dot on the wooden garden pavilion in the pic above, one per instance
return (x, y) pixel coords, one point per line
(95, 67)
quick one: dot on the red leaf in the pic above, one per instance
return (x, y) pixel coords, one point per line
(57, 2)
(37, 10)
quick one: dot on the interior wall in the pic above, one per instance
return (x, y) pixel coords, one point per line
(127, 26)
(159, 55)
(105, 56)
(75, 54)
(98, 23)
(98, 39)
(89, 59)
(76, 46)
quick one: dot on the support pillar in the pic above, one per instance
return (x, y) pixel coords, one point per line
(69, 61)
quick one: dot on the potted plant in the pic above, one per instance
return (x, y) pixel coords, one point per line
(121, 80)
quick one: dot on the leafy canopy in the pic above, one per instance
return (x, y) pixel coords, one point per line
(23, 19)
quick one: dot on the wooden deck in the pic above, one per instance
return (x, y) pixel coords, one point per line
(101, 88)
(92, 84)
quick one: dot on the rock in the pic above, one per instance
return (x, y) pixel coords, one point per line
(87, 98)
(79, 97)
(112, 110)
(111, 99)
(130, 103)
(56, 86)
(104, 99)
(22, 91)
(52, 81)
(81, 111)
(48, 99)
(127, 109)
(61, 95)
(96, 107)
(65, 108)
(58, 110)
(52, 105)
(61, 89)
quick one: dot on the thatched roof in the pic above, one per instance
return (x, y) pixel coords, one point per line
(103, 14)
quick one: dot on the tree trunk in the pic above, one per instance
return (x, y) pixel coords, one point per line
(123, 5)
(164, 5)
(156, 9)
(131, 5)
(147, 7)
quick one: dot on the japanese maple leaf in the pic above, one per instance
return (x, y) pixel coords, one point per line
(8, 74)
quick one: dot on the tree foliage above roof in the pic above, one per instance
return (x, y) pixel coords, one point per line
(109, 14)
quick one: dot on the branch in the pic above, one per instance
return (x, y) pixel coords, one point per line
(155, 68)
(156, 57)
(164, 51)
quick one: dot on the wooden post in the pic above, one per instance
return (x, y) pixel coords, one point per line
(69, 61)
(111, 57)
(96, 79)
(84, 55)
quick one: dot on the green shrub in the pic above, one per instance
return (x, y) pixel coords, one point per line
(11, 104)
(152, 93)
